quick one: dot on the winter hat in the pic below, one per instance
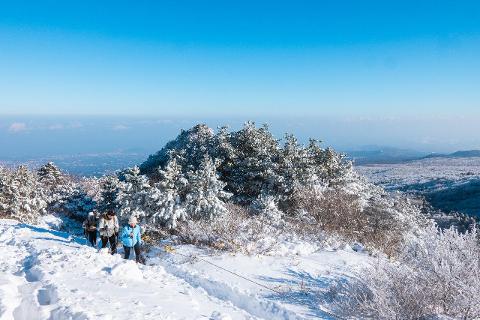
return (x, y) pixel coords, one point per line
(132, 220)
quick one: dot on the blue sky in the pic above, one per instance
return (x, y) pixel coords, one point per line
(240, 58)
(400, 73)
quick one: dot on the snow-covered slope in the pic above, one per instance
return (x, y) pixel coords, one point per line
(46, 274)
(450, 184)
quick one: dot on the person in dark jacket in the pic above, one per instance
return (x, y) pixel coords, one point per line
(90, 228)
(132, 239)
(108, 227)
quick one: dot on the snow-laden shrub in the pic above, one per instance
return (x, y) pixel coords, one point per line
(435, 274)
(237, 230)
(21, 195)
(267, 206)
(242, 230)
(198, 194)
(382, 223)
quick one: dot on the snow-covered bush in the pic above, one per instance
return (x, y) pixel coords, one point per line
(437, 273)
(381, 223)
(267, 206)
(240, 229)
(237, 229)
(21, 195)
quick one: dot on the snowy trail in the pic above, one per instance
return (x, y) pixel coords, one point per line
(303, 285)
(46, 274)
(249, 302)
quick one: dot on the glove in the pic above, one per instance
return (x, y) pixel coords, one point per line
(131, 235)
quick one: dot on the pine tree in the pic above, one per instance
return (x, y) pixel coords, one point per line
(254, 169)
(296, 170)
(189, 148)
(77, 204)
(166, 197)
(224, 153)
(133, 193)
(206, 197)
(21, 195)
(109, 193)
(56, 185)
(50, 176)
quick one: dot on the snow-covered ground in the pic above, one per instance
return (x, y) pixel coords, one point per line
(450, 184)
(47, 274)
(418, 172)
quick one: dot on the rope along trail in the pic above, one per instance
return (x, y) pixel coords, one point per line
(171, 250)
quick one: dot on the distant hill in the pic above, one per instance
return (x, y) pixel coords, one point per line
(458, 154)
(382, 154)
(390, 155)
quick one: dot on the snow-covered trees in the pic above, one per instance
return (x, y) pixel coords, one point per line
(108, 195)
(190, 147)
(255, 163)
(77, 204)
(166, 197)
(21, 195)
(133, 193)
(57, 186)
(176, 196)
(252, 162)
(436, 274)
(205, 198)
(50, 176)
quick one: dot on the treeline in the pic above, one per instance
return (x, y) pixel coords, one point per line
(203, 176)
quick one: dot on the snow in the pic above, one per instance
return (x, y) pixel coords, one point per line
(424, 174)
(127, 270)
(449, 184)
(47, 274)
(292, 285)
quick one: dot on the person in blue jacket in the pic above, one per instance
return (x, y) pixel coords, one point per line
(131, 238)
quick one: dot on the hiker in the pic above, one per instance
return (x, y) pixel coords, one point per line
(108, 227)
(90, 229)
(131, 238)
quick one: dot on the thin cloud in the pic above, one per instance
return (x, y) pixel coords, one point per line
(75, 125)
(120, 127)
(17, 127)
(56, 127)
